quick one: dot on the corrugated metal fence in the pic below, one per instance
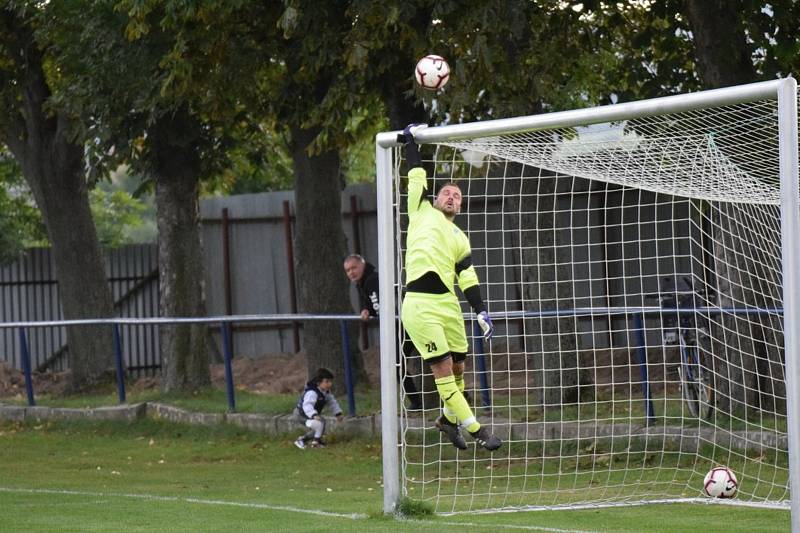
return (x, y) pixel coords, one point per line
(29, 292)
(247, 249)
(248, 242)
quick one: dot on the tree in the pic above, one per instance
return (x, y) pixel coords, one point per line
(154, 80)
(153, 84)
(42, 138)
(113, 88)
(751, 373)
(308, 46)
(682, 45)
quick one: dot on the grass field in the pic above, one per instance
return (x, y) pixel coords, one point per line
(155, 476)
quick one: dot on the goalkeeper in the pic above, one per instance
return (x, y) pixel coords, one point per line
(438, 252)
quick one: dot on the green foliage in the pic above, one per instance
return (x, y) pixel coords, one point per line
(119, 217)
(246, 67)
(517, 58)
(133, 65)
(116, 213)
(358, 160)
(655, 51)
(501, 55)
(257, 162)
(20, 221)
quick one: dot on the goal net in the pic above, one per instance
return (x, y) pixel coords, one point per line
(632, 265)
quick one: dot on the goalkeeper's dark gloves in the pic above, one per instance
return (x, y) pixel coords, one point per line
(412, 150)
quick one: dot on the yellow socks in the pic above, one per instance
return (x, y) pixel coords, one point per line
(456, 408)
(459, 382)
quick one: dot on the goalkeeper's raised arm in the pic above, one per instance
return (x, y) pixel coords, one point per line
(438, 253)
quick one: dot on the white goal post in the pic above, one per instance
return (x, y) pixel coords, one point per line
(641, 263)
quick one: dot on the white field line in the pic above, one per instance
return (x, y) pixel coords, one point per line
(498, 526)
(286, 508)
(199, 501)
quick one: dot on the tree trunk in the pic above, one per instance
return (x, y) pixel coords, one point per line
(53, 168)
(747, 363)
(548, 285)
(175, 163)
(319, 250)
(83, 289)
(723, 57)
(749, 372)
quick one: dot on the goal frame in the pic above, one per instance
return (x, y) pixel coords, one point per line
(783, 90)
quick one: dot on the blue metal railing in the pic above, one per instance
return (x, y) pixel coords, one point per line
(225, 322)
(637, 314)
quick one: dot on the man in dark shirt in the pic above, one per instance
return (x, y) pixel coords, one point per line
(365, 277)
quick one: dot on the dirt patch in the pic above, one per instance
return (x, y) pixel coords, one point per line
(12, 382)
(281, 373)
(274, 374)
(270, 374)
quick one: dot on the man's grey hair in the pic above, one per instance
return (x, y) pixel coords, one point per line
(354, 257)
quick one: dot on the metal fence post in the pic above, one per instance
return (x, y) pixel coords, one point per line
(480, 363)
(348, 369)
(287, 229)
(26, 366)
(228, 356)
(118, 363)
(641, 351)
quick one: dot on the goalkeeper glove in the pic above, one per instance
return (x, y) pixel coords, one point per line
(407, 137)
(486, 324)
(412, 151)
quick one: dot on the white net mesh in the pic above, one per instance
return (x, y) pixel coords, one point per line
(633, 273)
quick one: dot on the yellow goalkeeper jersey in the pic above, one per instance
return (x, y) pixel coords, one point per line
(434, 243)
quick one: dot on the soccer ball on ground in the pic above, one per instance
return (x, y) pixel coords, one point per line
(720, 483)
(432, 72)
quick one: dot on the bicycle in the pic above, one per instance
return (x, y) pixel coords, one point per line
(683, 328)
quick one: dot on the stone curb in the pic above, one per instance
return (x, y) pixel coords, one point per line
(128, 413)
(273, 425)
(161, 411)
(689, 439)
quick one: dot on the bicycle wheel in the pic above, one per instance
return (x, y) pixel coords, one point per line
(696, 389)
(705, 396)
(689, 388)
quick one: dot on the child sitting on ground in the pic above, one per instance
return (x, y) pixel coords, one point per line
(308, 411)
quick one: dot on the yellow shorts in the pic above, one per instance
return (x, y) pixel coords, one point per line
(435, 323)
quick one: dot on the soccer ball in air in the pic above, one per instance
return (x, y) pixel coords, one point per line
(720, 483)
(432, 72)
